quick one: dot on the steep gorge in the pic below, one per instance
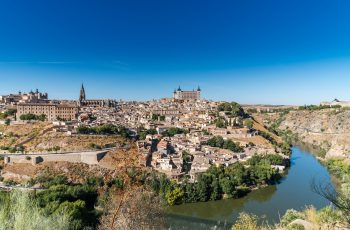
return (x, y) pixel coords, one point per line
(328, 129)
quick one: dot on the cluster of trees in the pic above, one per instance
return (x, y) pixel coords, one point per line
(13, 149)
(19, 210)
(7, 113)
(221, 122)
(156, 117)
(231, 182)
(173, 131)
(233, 108)
(268, 137)
(285, 146)
(77, 202)
(107, 129)
(339, 168)
(143, 133)
(30, 116)
(249, 123)
(272, 159)
(168, 133)
(218, 141)
(63, 205)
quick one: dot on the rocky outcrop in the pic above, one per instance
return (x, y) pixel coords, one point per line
(328, 129)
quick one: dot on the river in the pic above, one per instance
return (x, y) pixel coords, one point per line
(293, 192)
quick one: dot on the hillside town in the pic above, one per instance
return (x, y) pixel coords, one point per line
(181, 136)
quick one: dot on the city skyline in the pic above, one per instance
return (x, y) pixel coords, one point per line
(246, 90)
(269, 52)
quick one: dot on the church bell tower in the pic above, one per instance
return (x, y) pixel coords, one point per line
(82, 96)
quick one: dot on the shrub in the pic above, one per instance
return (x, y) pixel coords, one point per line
(174, 196)
(295, 227)
(7, 122)
(328, 215)
(10, 183)
(118, 182)
(94, 146)
(290, 216)
(95, 181)
(246, 222)
(248, 123)
(19, 211)
(49, 181)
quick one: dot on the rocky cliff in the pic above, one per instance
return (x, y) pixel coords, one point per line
(328, 129)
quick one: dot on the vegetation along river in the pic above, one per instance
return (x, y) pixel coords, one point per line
(293, 192)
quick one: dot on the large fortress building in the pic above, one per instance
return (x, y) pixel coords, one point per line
(31, 97)
(193, 95)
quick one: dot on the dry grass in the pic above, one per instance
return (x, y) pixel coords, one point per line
(112, 165)
(311, 215)
(70, 143)
(39, 137)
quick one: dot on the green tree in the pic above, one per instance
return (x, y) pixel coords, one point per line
(203, 187)
(228, 187)
(7, 122)
(248, 123)
(216, 193)
(174, 196)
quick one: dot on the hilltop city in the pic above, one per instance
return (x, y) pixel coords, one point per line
(175, 136)
(93, 155)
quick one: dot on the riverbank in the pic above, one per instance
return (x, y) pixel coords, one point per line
(223, 182)
(293, 192)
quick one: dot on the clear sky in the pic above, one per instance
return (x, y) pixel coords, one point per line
(254, 51)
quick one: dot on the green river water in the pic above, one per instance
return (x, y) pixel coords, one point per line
(293, 192)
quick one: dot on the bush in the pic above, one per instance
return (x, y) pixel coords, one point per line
(233, 108)
(174, 196)
(328, 215)
(117, 182)
(321, 153)
(107, 129)
(290, 216)
(295, 227)
(95, 181)
(49, 181)
(30, 116)
(248, 123)
(10, 183)
(28, 158)
(7, 122)
(219, 142)
(246, 222)
(18, 210)
(173, 131)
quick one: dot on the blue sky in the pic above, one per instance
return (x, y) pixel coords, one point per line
(276, 52)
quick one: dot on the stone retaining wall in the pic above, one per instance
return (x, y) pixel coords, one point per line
(81, 157)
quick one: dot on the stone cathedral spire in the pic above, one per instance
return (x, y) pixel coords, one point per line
(82, 96)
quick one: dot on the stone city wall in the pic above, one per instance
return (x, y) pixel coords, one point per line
(81, 157)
